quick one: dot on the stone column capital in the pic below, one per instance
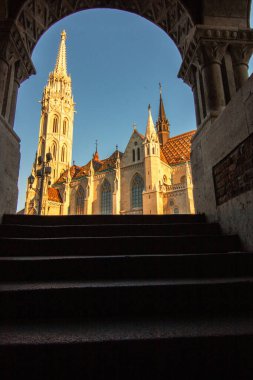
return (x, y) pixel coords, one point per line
(209, 52)
(209, 44)
(241, 52)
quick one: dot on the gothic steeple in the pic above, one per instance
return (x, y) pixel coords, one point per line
(61, 61)
(57, 114)
(162, 124)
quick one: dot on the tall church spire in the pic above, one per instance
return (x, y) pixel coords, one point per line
(162, 124)
(61, 61)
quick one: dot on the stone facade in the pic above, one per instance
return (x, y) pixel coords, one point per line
(143, 180)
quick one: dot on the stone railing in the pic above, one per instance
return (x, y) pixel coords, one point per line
(132, 212)
(168, 188)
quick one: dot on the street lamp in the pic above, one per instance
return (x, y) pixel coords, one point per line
(41, 173)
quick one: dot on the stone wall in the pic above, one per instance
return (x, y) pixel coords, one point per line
(9, 168)
(221, 160)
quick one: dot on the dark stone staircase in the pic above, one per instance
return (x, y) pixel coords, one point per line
(123, 297)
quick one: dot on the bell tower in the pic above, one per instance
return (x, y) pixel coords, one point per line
(57, 116)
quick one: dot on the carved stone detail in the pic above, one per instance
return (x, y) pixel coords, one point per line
(216, 39)
(170, 15)
(209, 52)
(241, 53)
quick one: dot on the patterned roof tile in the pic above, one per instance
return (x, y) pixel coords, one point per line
(54, 195)
(178, 149)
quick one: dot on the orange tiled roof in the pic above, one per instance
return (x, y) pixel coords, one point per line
(109, 162)
(99, 166)
(54, 195)
(162, 157)
(73, 172)
(178, 149)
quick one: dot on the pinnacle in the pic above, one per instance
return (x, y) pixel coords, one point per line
(61, 61)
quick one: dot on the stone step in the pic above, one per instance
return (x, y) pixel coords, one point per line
(105, 299)
(90, 246)
(171, 229)
(126, 267)
(102, 219)
(129, 348)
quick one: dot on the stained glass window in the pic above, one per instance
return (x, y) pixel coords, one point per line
(106, 198)
(80, 195)
(137, 189)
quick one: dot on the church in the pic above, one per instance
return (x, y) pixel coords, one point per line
(152, 175)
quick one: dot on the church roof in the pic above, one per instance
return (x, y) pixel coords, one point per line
(74, 169)
(108, 163)
(178, 148)
(77, 172)
(54, 195)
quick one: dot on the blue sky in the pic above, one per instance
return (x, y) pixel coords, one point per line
(116, 61)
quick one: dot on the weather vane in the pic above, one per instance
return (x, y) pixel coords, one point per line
(160, 87)
(134, 125)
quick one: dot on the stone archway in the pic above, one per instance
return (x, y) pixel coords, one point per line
(214, 40)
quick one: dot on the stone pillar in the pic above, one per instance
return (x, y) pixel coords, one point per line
(209, 58)
(15, 67)
(3, 80)
(240, 54)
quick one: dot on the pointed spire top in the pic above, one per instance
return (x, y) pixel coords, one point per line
(96, 155)
(162, 114)
(150, 130)
(61, 61)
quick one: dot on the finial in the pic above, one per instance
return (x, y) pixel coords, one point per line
(149, 107)
(160, 87)
(74, 162)
(96, 144)
(63, 35)
(117, 148)
(134, 126)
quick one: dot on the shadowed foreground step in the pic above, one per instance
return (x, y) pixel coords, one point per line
(124, 297)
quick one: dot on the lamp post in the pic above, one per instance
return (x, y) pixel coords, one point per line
(42, 173)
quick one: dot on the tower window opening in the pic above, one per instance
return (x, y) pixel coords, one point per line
(153, 150)
(138, 154)
(65, 126)
(133, 155)
(54, 151)
(63, 154)
(55, 125)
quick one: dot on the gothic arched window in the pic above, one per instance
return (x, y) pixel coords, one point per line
(106, 198)
(65, 126)
(55, 124)
(80, 195)
(133, 155)
(63, 153)
(137, 189)
(54, 151)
